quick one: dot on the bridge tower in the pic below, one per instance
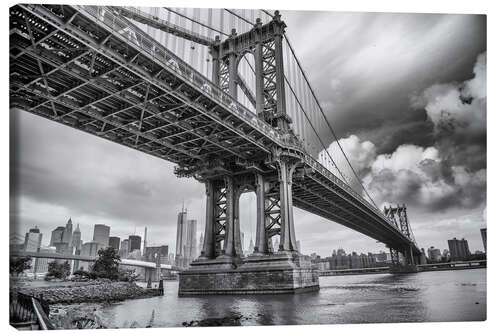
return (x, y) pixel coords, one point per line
(403, 260)
(221, 267)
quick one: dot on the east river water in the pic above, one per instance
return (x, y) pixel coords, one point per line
(428, 296)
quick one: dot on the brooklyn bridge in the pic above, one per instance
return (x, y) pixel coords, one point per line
(221, 94)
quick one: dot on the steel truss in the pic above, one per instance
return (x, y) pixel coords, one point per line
(87, 68)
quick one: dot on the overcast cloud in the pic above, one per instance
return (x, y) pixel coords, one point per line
(406, 93)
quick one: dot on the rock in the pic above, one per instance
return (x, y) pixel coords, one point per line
(95, 291)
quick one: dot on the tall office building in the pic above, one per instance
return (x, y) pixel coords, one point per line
(276, 245)
(42, 264)
(114, 242)
(250, 247)
(77, 238)
(123, 249)
(68, 232)
(57, 235)
(181, 230)
(185, 247)
(434, 254)
(298, 246)
(483, 237)
(134, 243)
(242, 239)
(33, 240)
(90, 249)
(191, 252)
(459, 249)
(200, 244)
(101, 234)
(32, 243)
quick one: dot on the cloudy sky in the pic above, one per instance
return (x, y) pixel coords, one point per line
(405, 92)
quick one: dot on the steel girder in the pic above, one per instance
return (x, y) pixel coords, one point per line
(92, 91)
(86, 68)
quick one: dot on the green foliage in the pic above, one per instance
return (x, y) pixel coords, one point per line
(19, 265)
(106, 266)
(58, 270)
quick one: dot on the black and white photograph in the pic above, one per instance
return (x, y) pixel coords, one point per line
(186, 167)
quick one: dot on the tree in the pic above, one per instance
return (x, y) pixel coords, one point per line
(106, 266)
(19, 265)
(58, 270)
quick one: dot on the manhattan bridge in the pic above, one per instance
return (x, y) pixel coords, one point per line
(221, 94)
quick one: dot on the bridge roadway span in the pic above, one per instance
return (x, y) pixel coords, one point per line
(88, 68)
(128, 262)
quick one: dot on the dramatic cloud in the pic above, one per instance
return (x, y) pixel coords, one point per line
(365, 65)
(436, 177)
(416, 176)
(458, 112)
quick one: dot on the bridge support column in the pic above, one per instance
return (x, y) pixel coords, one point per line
(261, 242)
(259, 73)
(226, 271)
(287, 236)
(408, 264)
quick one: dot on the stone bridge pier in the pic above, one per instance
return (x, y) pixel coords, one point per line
(222, 268)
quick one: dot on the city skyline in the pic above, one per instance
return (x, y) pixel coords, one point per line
(427, 251)
(402, 149)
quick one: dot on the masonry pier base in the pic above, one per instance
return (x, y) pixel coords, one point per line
(281, 273)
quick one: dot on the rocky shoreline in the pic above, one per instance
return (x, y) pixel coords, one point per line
(91, 292)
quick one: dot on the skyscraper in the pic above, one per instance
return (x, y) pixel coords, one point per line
(250, 246)
(181, 225)
(190, 244)
(459, 249)
(434, 254)
(101, 234)
(483, 237)
(134, 243)
(200, 244)
(68, 232)
(90, 249)
(185, 247)
(114, 242)
(242, 238)
(57, 235)
(33, 240)
(77, 238)
(124, 249)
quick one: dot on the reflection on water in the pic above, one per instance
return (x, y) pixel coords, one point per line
(428, 296)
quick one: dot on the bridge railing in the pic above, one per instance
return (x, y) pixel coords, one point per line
(337, 181)
(26, 308)
(168, 59)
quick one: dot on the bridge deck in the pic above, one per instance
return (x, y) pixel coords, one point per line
(87, 68)
(51, 255)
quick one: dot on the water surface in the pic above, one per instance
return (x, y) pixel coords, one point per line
(427, 296)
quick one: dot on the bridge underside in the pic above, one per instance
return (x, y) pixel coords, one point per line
(89, 68)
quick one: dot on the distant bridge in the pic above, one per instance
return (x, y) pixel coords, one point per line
(127, 262)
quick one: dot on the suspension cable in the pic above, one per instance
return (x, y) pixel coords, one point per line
(327, 122)
(323, 114)
(295, 96)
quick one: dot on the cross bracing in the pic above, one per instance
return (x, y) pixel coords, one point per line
(90, 69)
